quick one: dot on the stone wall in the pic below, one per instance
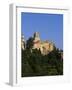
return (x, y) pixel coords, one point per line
(44, 46)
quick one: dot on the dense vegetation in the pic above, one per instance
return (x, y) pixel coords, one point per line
(36, 64)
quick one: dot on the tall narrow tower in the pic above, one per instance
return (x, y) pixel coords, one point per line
(23, 44)
(36, 37)
(36, 41)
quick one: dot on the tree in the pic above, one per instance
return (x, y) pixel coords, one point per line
(36, 64)
(29, 43)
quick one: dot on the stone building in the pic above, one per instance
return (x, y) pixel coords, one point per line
(44, 46)
(23, 45)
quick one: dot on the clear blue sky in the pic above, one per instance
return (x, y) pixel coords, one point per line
(50, 26)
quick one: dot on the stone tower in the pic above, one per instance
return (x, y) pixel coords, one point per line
(23, 42)
(36, 36)
(36, 40)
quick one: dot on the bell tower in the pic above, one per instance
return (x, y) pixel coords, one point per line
(36, 40)
(23, 42)
(36, 36)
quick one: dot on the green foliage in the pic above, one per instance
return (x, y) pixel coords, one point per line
(36, 64)
(29, 43)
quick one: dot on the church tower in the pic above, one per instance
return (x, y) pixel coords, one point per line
(23, 44)
(36, 36)
(36, 40)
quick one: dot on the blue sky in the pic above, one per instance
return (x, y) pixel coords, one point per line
(50, 26)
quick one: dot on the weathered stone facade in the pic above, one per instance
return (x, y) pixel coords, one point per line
(44, 46)
(22, 42)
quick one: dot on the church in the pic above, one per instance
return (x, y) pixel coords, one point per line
(44, 46)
